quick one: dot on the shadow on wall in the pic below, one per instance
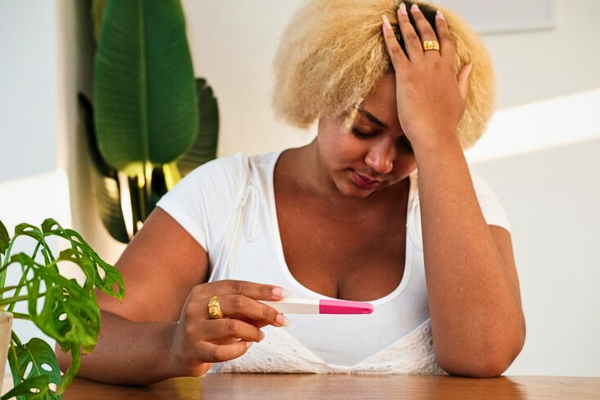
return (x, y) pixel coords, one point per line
(552, 199)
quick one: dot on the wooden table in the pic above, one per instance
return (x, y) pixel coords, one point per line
(331, 387)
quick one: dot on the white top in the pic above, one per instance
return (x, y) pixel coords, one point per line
(228, 206)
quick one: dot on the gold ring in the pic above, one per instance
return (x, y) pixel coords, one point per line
(214, 308)
(431, 45)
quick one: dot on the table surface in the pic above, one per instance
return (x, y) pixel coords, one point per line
(365, 387)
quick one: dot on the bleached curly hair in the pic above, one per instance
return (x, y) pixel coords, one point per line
(332, 54)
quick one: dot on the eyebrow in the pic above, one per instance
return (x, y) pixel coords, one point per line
(372, 118)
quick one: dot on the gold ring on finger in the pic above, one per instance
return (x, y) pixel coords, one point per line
(214, 308)
(431, 45)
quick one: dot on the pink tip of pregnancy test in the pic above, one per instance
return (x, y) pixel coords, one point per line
(344, 307)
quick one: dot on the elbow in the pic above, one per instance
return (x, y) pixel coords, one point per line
(490, 362)
(487, 368)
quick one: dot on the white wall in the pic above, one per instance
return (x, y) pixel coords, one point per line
(32, 187)
(550, 194)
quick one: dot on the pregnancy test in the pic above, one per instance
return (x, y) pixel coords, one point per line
(313, 306)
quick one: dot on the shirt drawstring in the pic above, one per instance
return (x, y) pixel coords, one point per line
(247, 209)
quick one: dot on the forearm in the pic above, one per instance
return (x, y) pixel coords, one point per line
(127, 353)
(474, 298)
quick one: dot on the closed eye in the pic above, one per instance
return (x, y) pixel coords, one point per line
(362, 135)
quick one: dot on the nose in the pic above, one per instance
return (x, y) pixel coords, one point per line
(381, 156)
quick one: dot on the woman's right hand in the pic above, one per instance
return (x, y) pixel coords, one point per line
(199, 340)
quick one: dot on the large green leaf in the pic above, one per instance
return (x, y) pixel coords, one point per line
(69, 312)
(104, 178)
(204, 148)
(145, 94)
(33, 389)
(40, 357)
(4, 239)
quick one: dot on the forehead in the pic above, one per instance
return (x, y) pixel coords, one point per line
(381, 102)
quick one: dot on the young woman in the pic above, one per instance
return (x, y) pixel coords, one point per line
(380, 208)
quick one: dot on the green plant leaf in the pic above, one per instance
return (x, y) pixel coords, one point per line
(104, 178)
(204, 148)
(98, 7)
(44, 364)
(145, 96)
(88, 260)
(69, 312)
(4, 239)
(33, 389)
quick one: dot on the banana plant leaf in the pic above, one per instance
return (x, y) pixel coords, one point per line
(105, 181)
(204, 148)
(144, 90)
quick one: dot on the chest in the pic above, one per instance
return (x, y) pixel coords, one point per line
(356, 256)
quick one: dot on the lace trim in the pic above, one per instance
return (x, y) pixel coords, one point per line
(280, 352)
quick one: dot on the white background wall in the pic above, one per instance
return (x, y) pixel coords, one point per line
(550, 193)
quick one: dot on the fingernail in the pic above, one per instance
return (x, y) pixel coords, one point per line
(248, 344)
(282, 320)
(262, 335)
(415, 8)
(440, 15)
(277, 292)
(386, 23)
(469, 67)
(403, 9)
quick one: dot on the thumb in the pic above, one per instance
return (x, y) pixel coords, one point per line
(463, 80)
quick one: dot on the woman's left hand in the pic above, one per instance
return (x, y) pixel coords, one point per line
(430, 95)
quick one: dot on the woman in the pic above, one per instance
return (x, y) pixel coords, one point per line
(344, 217)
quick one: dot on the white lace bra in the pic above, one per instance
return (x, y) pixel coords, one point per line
(280, 352)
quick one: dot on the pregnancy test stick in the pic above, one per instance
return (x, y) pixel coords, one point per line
(313, 306)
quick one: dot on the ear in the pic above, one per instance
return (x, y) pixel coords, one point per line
(463, 80)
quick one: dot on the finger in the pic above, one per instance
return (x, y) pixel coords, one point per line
(412, 43)
(447, 49)
(228, 328)
(238, 306)
(463, 80)
(424, 28)
(219, 353)
(249, 289)
(393, 47)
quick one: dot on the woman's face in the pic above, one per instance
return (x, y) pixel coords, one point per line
(373, 154)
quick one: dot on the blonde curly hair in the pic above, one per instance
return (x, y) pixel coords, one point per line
(332, 54)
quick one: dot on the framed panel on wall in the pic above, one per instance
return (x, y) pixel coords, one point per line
(497, 16)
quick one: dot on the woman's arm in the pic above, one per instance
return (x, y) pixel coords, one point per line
(162, 329)
(477, 320)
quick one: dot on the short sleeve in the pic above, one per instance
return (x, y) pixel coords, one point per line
(492, 209)
(205, 198)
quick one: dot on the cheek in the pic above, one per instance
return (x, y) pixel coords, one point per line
(404, 165)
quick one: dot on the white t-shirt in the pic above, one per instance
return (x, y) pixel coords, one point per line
(228, 206)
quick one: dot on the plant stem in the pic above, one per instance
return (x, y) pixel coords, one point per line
(19, 287)
(17, 315)
(10, 300)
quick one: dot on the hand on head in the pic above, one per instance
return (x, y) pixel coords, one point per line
(431, 97)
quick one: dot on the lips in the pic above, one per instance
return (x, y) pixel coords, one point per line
(365, 182)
